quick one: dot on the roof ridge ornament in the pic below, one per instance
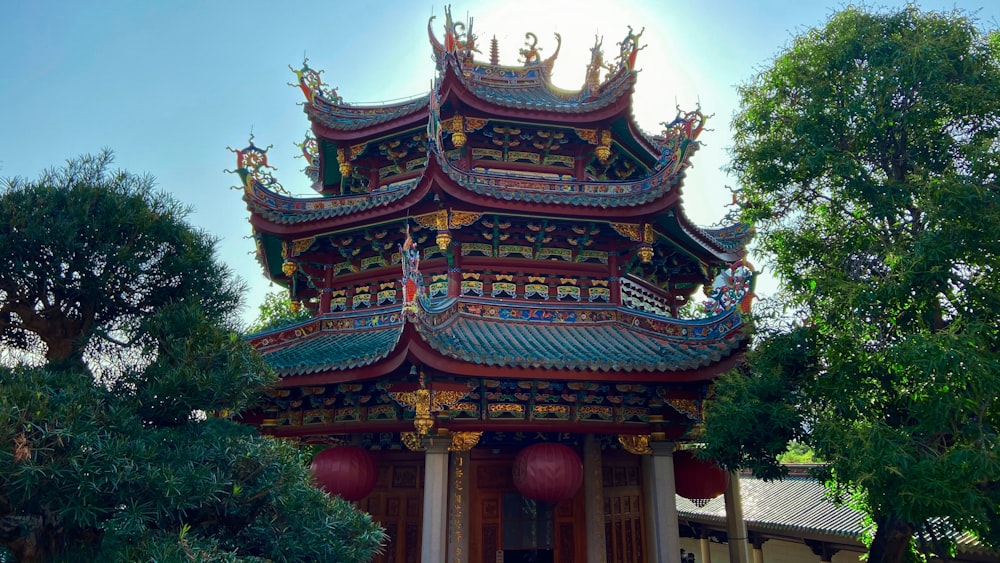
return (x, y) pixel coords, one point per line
(679, 138)
(252, 167)
(596, 65)
(312, 85)
(530, 53)
(628, 49)
(732, 288)
(412, 281)
(310, 151)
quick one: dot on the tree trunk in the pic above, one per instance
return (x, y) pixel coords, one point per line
(892, 541)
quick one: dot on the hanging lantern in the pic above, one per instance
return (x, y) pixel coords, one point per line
(345, 471)
(547, 472)
(697, 479)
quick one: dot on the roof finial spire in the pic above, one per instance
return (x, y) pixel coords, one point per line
(494, 51)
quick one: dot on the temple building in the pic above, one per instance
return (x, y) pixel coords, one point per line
(508, 344)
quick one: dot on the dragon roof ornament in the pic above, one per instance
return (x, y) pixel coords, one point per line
(312, 85)
(253, 169)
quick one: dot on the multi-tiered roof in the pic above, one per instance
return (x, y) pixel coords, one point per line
(518, 248)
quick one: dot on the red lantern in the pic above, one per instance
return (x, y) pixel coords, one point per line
(547, 472)
(345, 471)
(696, 479)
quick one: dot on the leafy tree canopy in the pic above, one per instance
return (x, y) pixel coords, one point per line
(120, 361)
(277, 311)
(868, 156)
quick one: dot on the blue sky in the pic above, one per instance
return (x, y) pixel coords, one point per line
(169, 85)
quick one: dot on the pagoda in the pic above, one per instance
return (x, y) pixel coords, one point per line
(498, 274)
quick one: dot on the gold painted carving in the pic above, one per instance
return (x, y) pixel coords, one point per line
(301, 245)
(456, 123)
(412, 441)
(648, 235)
(444, 219)
(441, 399)
(589, 135)
(686, 407)
(464, 441)
(463, 219)
(627, 230)
(474, 124)
(423, 420)
(637, 444)
(356, 150)
(428, 220)
(435, 400)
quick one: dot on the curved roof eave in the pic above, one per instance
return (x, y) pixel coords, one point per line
(608, 343)
(272, 213)
(613, 199)
(548, 340)
(562, 111)
(340, 122)
(726, 252)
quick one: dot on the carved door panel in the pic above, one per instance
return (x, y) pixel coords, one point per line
(397, 504)
(623, 518)
(501, 520)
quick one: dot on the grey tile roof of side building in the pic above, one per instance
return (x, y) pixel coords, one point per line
(794, 504)
(799, 505)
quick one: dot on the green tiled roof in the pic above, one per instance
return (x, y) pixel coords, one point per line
(332, 350)
(286, 210)
(531, 89)
(345, 117)
(493, 333)
(605, 339)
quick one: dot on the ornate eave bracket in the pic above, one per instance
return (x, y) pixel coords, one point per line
(637, 444)
(460, 441)
(424, 403)
(643, 234)
(444, 221)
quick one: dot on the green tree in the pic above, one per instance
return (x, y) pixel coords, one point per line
(868, 156)
(114, 439)
(276, 311)
(798, 453)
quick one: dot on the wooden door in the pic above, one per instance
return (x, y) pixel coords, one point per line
(397, 504)
(494, 501)
(623, 511)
